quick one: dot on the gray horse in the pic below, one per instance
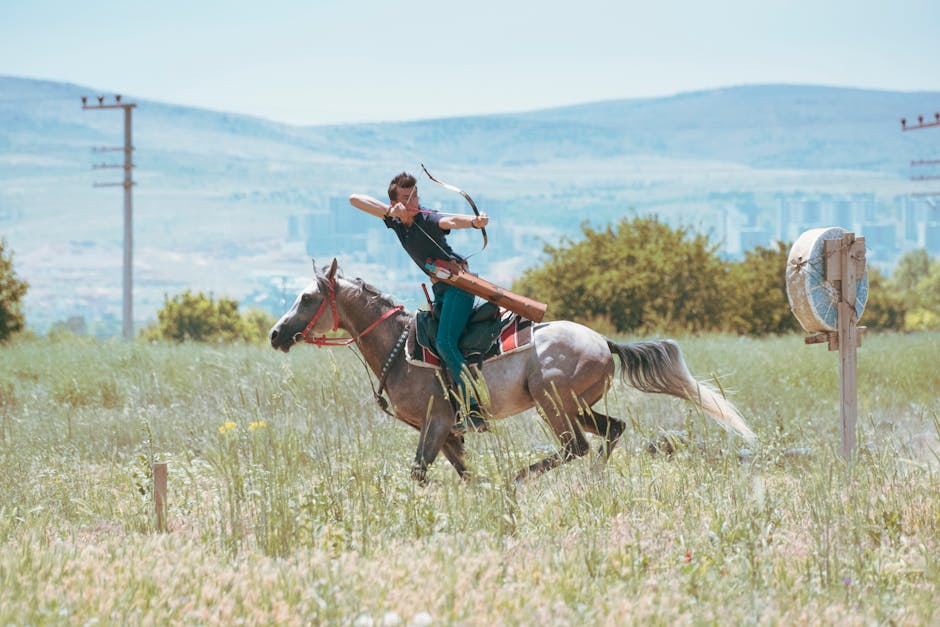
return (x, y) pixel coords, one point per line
(567, 369)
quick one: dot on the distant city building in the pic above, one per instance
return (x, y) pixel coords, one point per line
(293, 228)
(932, 237)
(881, 240)
(736, 221)
(751, 238)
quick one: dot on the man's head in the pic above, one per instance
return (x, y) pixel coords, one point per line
(401, 187)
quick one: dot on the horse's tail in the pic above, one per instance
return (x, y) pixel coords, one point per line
(658, 367)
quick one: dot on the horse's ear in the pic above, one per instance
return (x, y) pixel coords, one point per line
(332, 271)
(314, 262)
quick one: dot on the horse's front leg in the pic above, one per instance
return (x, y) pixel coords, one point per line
(434, 433)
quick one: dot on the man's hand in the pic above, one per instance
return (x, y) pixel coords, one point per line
(480, 221)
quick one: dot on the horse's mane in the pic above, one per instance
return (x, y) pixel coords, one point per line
(374, 294)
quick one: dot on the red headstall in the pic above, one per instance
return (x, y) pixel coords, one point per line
(322, 340)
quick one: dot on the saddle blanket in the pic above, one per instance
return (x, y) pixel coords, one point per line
(514, 335)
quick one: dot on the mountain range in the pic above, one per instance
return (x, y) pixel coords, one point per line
(236, 205)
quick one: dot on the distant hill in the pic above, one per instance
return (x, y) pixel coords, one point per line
(767, 126)
(236, 204)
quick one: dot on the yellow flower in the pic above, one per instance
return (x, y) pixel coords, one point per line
(258, 424)
(228, 427)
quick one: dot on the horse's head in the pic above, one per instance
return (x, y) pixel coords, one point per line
(313, 312)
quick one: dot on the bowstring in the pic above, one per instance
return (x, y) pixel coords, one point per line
(467, 197)
(425, 233)
(433, 241)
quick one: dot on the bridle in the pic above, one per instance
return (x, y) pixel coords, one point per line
(323, 340)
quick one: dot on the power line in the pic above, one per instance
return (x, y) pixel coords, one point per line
(37, 99)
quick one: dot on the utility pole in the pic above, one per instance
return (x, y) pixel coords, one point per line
(920, 123)
(919, 162)
(127, 184)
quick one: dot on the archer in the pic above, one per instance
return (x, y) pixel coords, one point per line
(423, 234)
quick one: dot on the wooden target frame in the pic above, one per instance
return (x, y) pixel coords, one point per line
(842, 257)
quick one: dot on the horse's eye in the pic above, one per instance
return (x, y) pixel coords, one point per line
(306, 298)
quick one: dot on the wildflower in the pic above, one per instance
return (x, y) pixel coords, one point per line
(228, 427)
(688, 556)
(258, 424)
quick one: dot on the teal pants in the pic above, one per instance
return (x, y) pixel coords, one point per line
(456, 306)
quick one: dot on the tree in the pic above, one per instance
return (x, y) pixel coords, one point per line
(916, 287)
(885, 309)
(757, 293)
(201, 318)
(912, 267)
(925, 296)
(639, 276)
(928, 288)
(258, 324)
(643, 276)
(12, 291)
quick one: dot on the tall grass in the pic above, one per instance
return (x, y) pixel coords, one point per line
(290, 497)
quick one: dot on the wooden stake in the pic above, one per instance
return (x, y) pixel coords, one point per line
(845, 264)
(159, 495)
(848, 363)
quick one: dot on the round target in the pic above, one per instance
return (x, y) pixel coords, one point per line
(814, 300)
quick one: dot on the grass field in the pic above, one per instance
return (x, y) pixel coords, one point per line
(290, 498)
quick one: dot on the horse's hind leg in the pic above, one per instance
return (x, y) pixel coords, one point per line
(573, 445)
(608, 427)
(453, 451)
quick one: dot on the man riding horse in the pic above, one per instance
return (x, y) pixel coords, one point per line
(564, 372)
(423, 234)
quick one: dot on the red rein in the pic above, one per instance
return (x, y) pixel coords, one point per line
(322, 340)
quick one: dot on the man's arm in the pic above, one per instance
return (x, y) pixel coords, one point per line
(463, 221)
(372, 206)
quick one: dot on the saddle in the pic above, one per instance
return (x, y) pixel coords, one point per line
(486, 336)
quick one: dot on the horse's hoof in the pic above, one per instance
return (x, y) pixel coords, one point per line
(522, 477)
(473, 480)
(420, 475)
(668, 443)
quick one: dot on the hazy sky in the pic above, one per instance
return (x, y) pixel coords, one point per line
(328, 61)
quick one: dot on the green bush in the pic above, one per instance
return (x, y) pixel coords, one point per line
(200, 318)
(642, 276)
(756, 293)
(914, 292)
(886, 308)
(12, 291)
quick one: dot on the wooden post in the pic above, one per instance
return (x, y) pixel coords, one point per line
(159, 494)
(845, 264)
(848, 363)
